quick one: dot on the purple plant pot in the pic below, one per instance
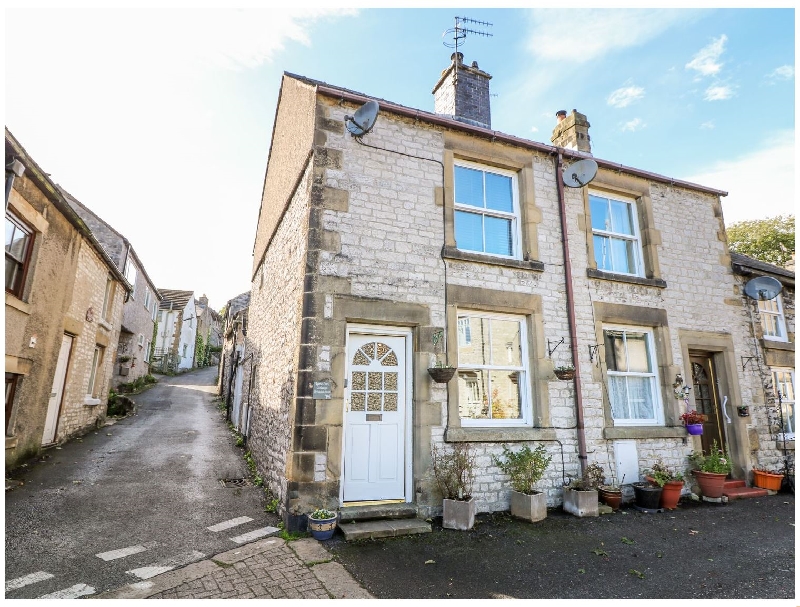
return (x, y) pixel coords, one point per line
(694, 429)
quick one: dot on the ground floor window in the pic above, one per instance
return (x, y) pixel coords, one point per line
(493, 370)
(93, 389)
(783, 385)
(632, 377)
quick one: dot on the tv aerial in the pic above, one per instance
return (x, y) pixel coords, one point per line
(459, 32)
(578, 174)
(762, 288)
(361, 123)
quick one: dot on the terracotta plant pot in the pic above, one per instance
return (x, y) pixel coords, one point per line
(647, 496)
(610, 497)
(694, 429)
(441, 375)
(767, 480)
(711, 483)
(671, 494)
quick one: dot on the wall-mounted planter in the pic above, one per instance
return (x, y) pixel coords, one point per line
(581, 503)
(565, 373)
(694, 429)
(124, 370)
(441, 375)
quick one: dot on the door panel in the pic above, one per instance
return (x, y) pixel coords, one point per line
(375, 418)
(57, 391)
(706, 400)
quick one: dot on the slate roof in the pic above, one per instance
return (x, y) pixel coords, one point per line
(744, 264)
(172, 299)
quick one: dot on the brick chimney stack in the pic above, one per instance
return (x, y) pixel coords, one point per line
(462, 93)
(572, 132)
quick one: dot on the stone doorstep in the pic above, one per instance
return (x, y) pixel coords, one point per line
(348, 514)
(383, 528)
(737, 493)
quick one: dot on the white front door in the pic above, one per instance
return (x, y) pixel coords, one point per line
(57, 391)
(237, 397)
(376, 403)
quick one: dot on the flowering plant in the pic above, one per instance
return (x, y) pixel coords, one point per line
(692, 417)
(662, 474)
(717, 460)
(322, 514)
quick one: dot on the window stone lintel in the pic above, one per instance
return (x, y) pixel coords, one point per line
(498, 435)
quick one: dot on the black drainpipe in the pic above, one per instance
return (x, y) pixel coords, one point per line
(571, 317)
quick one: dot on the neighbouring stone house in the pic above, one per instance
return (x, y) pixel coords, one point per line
(435, 238)
(64, 298)
(176, 331)
(209, 334)
(132, 357)
(236, 363)
(768, 362)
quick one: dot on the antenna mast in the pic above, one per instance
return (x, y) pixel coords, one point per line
(459, 32)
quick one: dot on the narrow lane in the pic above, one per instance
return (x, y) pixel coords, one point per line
(133, 499)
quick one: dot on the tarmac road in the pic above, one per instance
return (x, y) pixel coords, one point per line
(133, 499)
(741, 550)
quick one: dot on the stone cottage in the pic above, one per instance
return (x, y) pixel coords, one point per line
(64, 298)
(768, 363)
(132, 357)
(435, 239)
(209, 333)
(176, 332)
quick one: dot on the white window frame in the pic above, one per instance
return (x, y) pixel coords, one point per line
(514, 216)
(97, 362)
(464, 332)
(777, 314)
(658, 405)
(147, 299)
(131, 272)
(636, 237)
(108, 298)
(524, 371)
(785, 398)
(148, 347)
(140, 343)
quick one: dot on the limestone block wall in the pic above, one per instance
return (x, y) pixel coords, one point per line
(274, 325)
(84, 319)
(138, 319)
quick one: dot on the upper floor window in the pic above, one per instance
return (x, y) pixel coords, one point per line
(486, 210)
(617, 247)
(632, 377)
(783, 385)
(772, 320)
(108, 298)
(147, 299)
(19, 242)
(130, 276)
(493, 370)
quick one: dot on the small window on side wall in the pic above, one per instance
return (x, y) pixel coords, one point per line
(773, 323)
(493, 371)
(615, 233)
(19, 243)
(783, 387)
(486, 210)
(633, 388)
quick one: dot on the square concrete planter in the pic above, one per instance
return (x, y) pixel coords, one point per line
(529, 507)
(581, 503)
(458, 515)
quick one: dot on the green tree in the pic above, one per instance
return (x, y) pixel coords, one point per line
(770, 240)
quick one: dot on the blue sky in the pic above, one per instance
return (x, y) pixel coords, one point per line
(160, 118)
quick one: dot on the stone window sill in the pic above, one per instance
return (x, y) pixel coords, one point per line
(91, 402)
(634, 280)
(771, 344)
(498, 435)
(11, 442)
(18, 304)
(104, 324)
(517, 264)
(627, 432)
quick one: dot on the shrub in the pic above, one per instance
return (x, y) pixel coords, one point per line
(525, 467)
(454, 470)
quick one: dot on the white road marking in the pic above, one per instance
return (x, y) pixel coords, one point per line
(122, 552)
(70, 593)
(254, 535)
(31, 578)
(144, 573)
(228, 524)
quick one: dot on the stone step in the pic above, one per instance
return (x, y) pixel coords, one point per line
(733, 484)
(377, 511)
(383, 528)
(737, 493)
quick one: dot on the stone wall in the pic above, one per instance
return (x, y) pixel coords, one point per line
(138, 319)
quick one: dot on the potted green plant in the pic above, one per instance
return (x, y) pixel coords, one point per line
(611, 495)
(581, 495)
(671, 483)
(693, 421)
(454, 471)
(441, 373)
(322, 523)
(711, 470)
(525, 468)
(565, 372)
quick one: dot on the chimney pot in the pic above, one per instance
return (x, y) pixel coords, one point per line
(560, 115)
(475, 64)
(459, 55)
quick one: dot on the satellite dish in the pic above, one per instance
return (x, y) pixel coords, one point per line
(763, 288)
(578, 174)
(363, 120)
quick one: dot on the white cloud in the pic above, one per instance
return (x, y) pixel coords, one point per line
(624, 96)
(784, 72)
(582, 35)
(707, 125)
(706, 61)
(759, 184)
(633, 125)
(718, 92)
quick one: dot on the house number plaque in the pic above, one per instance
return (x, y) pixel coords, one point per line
(322, 390)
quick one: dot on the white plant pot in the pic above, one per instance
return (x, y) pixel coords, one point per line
(458, 515)
(529, 507)
(581, 503)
